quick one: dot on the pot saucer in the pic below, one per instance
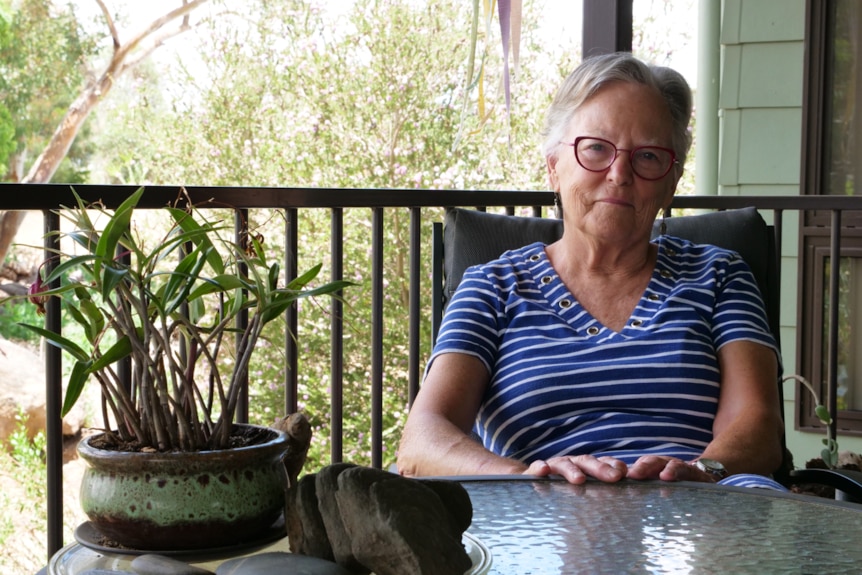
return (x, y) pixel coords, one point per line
(88, 536)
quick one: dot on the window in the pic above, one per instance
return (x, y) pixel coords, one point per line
(832, 166)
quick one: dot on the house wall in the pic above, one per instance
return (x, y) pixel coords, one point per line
(760, 147)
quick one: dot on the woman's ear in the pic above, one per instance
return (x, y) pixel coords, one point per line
(551, 165)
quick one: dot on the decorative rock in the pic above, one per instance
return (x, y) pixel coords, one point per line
(398, 525)
(326, 485)
(306, 531)
(298, 430)
(277, 562)
(151, 564)
(456, 499)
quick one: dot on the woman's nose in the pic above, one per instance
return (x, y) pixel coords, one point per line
(620, 171)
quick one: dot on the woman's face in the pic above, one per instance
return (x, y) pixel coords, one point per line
(615, 204)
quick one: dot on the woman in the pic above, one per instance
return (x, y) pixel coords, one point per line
(603, 354)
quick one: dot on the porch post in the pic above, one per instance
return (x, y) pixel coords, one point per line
(707, 96)
(607, 27)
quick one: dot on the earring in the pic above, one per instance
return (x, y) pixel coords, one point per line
(558, 207)
(662, 228)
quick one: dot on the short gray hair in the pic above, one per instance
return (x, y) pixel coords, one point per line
(596, 72)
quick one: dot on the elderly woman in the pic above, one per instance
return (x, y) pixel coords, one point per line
(604, 354)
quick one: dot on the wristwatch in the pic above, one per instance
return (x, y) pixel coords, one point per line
(712, 467)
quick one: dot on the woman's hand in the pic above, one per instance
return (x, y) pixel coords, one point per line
(576, 468)
(667, 469)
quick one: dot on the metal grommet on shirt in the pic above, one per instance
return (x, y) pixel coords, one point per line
(637, 323)
(592, 330)
(546, 280)
(670, 252)
(535, 257)
(666, 274)
(653, 297)
(565, 303)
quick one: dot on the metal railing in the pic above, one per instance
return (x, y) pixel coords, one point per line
(48, 198)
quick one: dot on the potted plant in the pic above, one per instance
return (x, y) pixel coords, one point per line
(170, 313)
(823, 475)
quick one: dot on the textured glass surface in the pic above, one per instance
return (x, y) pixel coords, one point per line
(646, 527)
(546, 527)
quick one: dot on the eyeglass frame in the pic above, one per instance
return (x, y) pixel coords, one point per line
(574, 145)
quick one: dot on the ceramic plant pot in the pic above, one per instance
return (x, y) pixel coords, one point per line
(185, 501)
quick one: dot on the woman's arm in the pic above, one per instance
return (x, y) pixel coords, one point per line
(747, 429)
(436, 438)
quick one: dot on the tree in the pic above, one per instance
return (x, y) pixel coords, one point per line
(124, 56)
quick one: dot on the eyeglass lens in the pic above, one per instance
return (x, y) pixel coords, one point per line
(648, 162)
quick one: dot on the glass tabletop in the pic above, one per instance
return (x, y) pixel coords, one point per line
(547, 526)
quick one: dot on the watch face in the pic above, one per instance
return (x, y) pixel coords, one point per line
(712, 467)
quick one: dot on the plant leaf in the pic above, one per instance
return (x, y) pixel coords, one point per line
(199, 235)
(71, 263)
(77, 379)
(59, 341)
(117, 225)
(89, 329)
(823, 414)
(121, 349)
(111, 279)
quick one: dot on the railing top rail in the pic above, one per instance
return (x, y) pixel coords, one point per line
(53, 196)
(17, 196)
(844, 203)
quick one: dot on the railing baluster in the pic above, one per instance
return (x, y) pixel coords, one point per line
(377, 338)
(53, 396)
(242, 229)
(832, 361)
(336, 361)
(291, 267)
(414, 343)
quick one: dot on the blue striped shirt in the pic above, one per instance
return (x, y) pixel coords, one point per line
(564, 384)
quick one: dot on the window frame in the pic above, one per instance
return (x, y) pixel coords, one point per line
(815, 226)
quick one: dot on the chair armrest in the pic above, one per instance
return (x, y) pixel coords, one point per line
(847, 481)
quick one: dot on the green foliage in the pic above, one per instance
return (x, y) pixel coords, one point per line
(7, 134)
(11, 314)
(23, 469)
(24, 459)
(38, 84)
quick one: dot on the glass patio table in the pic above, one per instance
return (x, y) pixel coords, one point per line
(523, 526)
(549, 526)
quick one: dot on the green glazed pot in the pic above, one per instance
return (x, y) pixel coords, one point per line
(185, 500)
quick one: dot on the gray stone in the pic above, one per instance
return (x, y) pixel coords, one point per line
(278, 563)
(400, 526)
(306, 531)
(326, 485)
(456, 499)
(151, 564)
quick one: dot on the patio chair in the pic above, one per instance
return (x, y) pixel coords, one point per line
(468, 237)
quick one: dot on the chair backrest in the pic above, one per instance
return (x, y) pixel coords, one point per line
(470, 237)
